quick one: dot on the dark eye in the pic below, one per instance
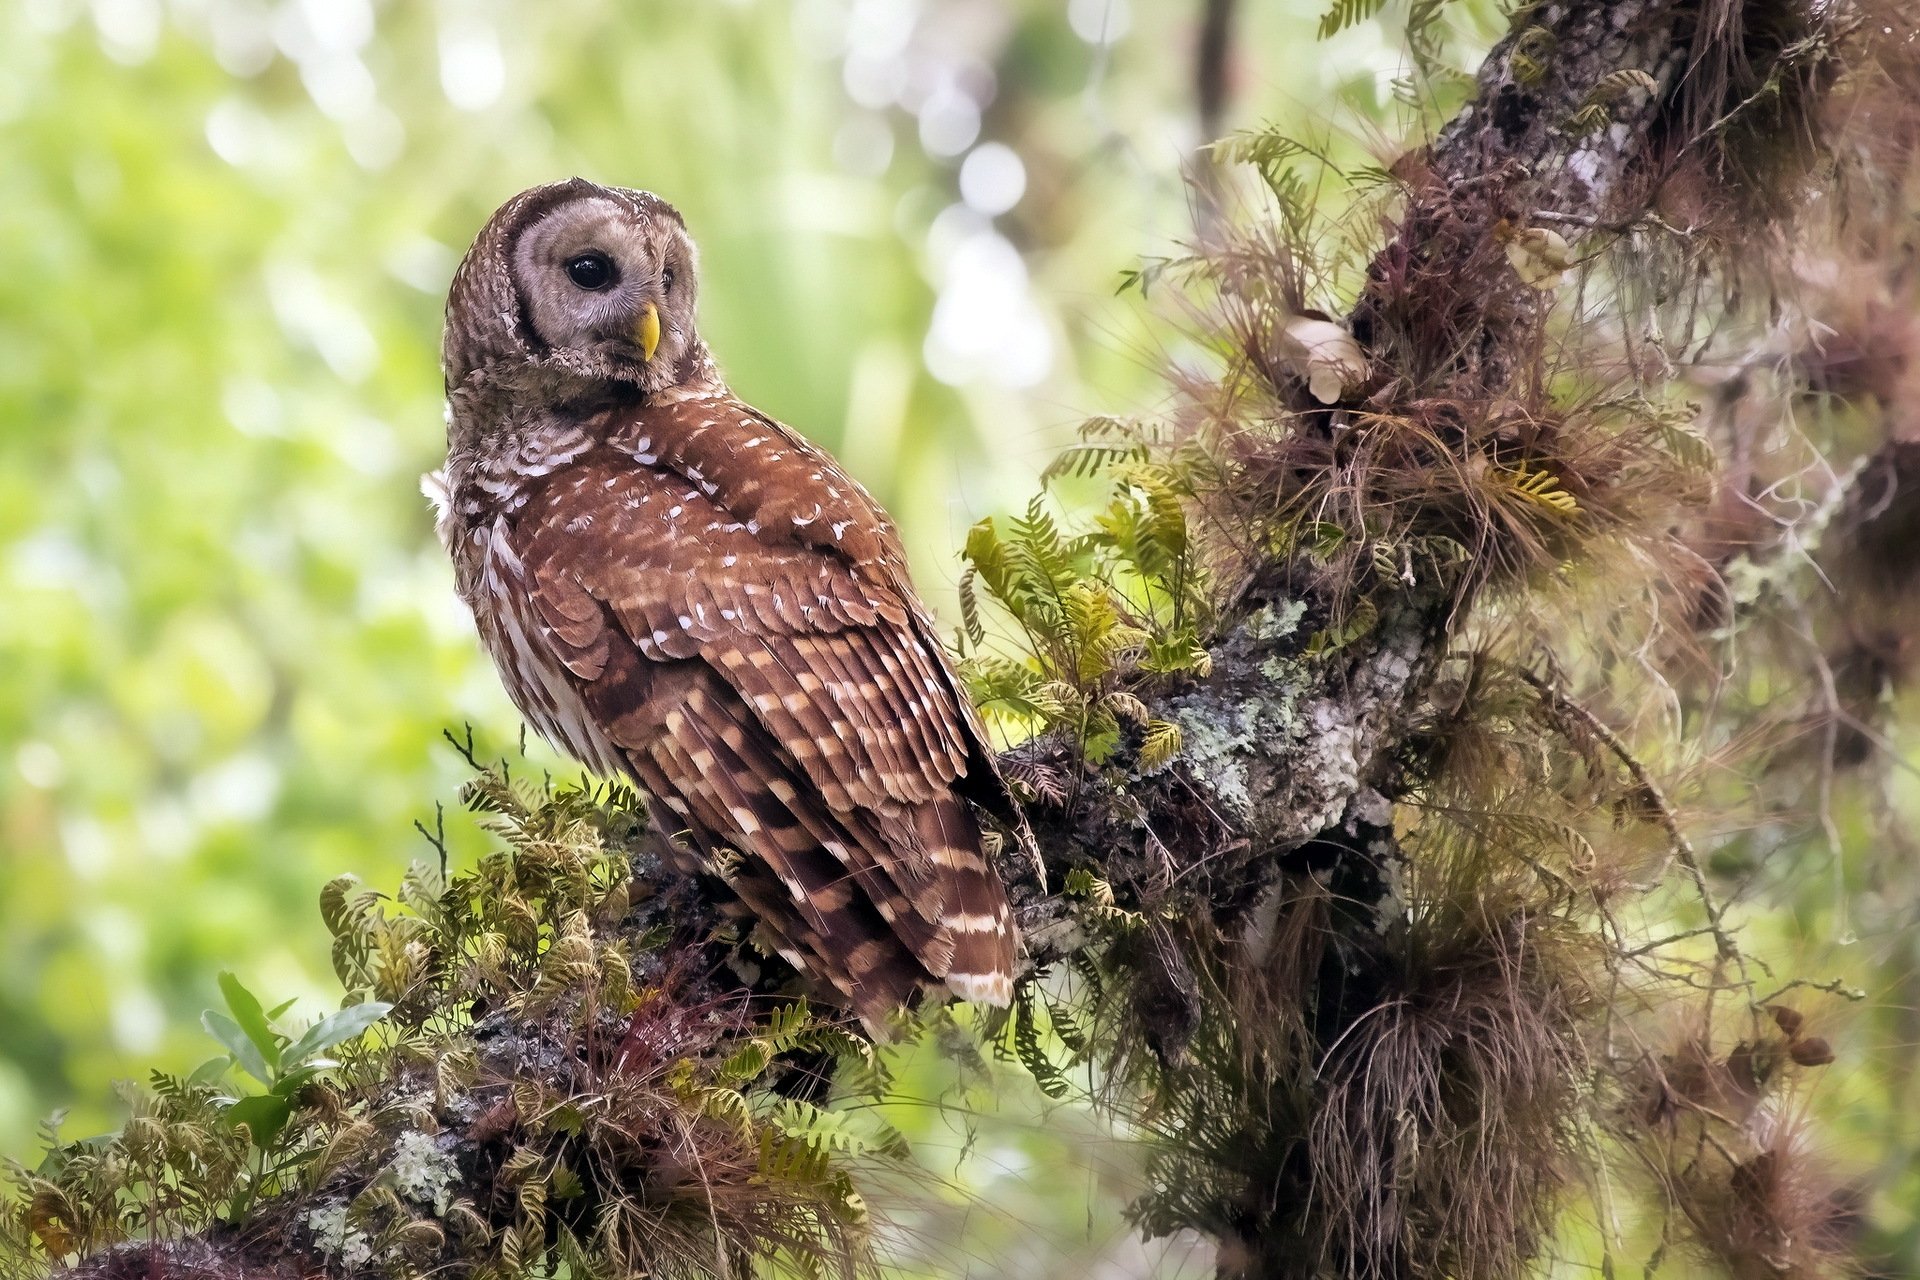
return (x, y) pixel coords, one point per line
(666, 280)
(591, 271)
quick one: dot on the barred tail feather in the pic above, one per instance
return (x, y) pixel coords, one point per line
(975, 914)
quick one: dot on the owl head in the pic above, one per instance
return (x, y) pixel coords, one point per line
(580, 280)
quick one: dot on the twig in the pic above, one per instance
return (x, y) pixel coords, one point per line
(1832, 987)
(436, 837)
(464, 746)
(1682, 848)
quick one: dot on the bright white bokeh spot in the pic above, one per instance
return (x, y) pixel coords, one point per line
(339, 25)
(422, 262)
(366, 444)
(237, 132)
(309, 310)
(253, 406)
(986, 324)
(166, 832)
(339, 84)
(952, 227)
(47, 16)
(949, 121)
(992, 178)
(129, 29)
(1099, 21)
(40, 765)
(882, 28)
(51, 559)
(138, 1020)
(242, 39)
(87, 846)
(473, 71)
(291, 34)
(820, 28)
(874, 80)
(376, 139)
(863, 145)
(240, 789)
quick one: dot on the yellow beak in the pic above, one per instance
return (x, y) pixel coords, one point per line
(647, 332)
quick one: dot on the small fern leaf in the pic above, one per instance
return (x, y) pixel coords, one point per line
(1347, 13)
(1542, 488)
(1160, 745)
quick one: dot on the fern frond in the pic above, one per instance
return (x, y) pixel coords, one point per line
(1159, 746)
(1347, 13)
(1542, 488)
(1089, 459)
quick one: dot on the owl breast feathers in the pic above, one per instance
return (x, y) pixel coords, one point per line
(678, 589)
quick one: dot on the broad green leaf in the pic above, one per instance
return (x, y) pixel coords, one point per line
(228, 1033)
(336, 1027)
(264, 1114)
(290, 1084)
(210, 1070)
(252, 1019)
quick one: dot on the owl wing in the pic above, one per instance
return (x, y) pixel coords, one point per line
(783, 698)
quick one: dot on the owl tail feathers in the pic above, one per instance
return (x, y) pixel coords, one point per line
(983, 937)
(982, 988)
(975, 915)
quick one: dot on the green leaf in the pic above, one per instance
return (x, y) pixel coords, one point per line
(1347, 13)
(228, 1033)
(336, 1027)
(252, 1019)
(265, 1115)
(290, 1083)
(1159, 745)
(210, 1070)
(565, 1184)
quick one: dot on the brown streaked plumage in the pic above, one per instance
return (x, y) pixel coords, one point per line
(679, 589)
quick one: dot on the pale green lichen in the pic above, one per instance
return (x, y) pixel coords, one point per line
(1218, 739)
(422, 1172)
(1221, 734)
(1276, 622)
(334, 1238)
(1287, 672)
(1212, 744)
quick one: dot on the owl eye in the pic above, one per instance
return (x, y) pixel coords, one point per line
(591, 271)
(666, 280)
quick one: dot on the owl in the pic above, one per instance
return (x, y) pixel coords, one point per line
(679, 590)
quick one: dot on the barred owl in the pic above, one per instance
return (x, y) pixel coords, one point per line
(680, 590)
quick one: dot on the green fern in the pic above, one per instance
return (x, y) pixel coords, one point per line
(1347, 13)
(1277, 158)
(1099, 606)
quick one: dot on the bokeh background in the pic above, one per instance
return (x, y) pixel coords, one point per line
(228, 642)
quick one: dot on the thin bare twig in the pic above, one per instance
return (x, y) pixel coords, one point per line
(1682, 848)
